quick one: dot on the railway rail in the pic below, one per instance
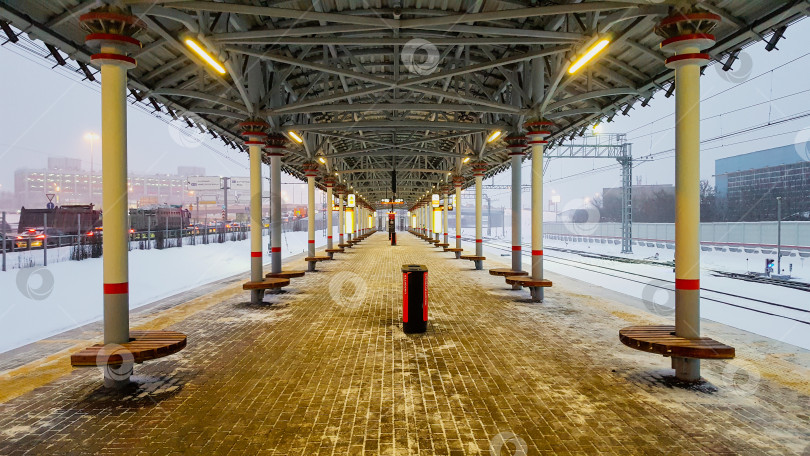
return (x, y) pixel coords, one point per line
(766, 280)
(668, 285)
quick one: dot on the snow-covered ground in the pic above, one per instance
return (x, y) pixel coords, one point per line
(622, 278)
(39, 302)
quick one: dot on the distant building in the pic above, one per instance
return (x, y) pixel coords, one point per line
(748, 184)
(70, 184)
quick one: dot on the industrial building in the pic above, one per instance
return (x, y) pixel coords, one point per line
(749, 184)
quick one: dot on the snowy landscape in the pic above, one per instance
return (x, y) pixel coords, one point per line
(67, 294)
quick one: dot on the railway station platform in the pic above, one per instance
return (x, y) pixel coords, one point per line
(323, 367)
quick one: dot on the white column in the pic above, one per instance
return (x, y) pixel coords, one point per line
(687, 62)
(537, 134)
(256, 275)
(517, 212)
(444, 215)
(457, 182)
(275, 211)
(329, 204)
(479, 239)
(341, 217)
(115, 200)
(310, 173)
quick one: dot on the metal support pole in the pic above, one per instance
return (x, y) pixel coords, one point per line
(627, 200)
(329, 205)
(517, 210)
(114, 195)
(687, 208)
(275, 212)
(779, 235)
(225, 185)
(341, 219)
(444, 216)
(537, 134)
(256, 273)
(479, 246)
(311, 214)
(457, 183)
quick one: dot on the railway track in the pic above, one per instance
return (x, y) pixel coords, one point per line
(669, 285)
(766, 280)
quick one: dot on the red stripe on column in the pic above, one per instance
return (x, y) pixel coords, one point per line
(116, 288)
(537, 252)
(445, 234)
(328, 237)
(479, 240)
(687, 284)
(255, 254)
(515, 248)
(458, 236)
(275, 249)
(311, 241)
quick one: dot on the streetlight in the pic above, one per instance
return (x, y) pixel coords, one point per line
(91, 137)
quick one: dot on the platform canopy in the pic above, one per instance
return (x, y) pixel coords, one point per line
(413, 85)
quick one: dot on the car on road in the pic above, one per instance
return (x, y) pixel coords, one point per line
(36, 237)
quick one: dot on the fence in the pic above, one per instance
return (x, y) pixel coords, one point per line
(795, 235)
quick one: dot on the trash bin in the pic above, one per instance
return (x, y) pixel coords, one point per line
(414, 298)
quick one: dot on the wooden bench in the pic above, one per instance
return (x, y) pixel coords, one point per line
(332, 252)
(142, 346)
(453, 249)
(533, 285)
(479, 260)
(442, 244)
(503, 272)
(345, 244)
(528, 282)
(506, 272)
(266, 284)
(663, 341)
(285, 274)
(314, 260)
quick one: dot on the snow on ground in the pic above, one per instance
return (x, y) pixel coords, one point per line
(40, 302)
(662, 302)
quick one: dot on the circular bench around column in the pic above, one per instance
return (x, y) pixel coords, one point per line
(527, 282)
(314, 260)
(285, 274)
(142, 346)
(661, 339)
(332, 252)
(456, 250)
(505, 272)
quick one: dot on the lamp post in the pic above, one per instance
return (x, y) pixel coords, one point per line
(91, 137)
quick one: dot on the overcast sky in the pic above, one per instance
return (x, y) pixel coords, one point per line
(45, 112)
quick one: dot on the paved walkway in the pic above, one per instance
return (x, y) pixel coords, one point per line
(326, 369)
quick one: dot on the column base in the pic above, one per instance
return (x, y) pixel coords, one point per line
(118, 377)
(256, 296)
(686, 369)
(536, 293)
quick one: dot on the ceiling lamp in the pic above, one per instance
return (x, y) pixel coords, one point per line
(205, 55)
(596, 49)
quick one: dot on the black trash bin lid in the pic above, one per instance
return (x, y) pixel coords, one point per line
(414, 268)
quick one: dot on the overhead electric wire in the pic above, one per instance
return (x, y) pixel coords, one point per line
(726, 90)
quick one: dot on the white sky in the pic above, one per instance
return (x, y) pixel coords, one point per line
(45, 113)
